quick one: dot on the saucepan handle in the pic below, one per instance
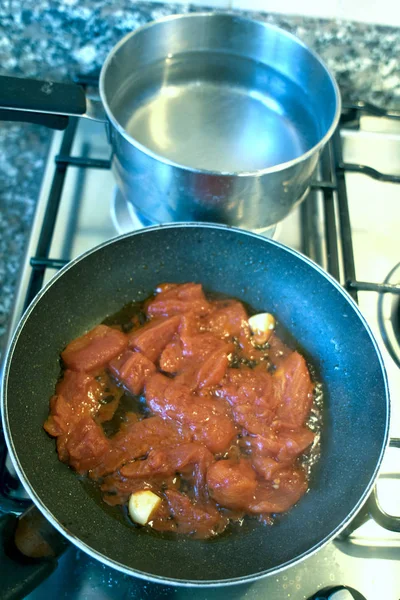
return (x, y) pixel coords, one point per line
(41, 102)
(384, 519)
(29, 550)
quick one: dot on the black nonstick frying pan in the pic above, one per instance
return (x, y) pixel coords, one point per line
(270, 277)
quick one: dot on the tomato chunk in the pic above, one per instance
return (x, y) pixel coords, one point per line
(252, 397)
(132, 369)
(231, 483)
(77, 402)
(212, 424)
(94, 349)
(286, 489)
(278, 351)
(77, 395)
(188, 297)
(227, 319)
(189, 518)
(86, 445)
(293, 379)
(265, 466)
(207, 419)
(168, 461)
(152, 338)
(171, 359)
(135, 439)
(294, 443)
(283, 445)
(213, 369)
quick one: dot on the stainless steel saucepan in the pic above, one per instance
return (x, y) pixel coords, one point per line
(211, 117)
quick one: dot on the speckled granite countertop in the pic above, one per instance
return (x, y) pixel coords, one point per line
(51, 39)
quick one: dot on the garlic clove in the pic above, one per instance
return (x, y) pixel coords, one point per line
(142, 505)
(262, 327)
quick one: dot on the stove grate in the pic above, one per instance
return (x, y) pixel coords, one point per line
(330, 183)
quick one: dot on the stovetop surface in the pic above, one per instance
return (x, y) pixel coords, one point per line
(91, 212)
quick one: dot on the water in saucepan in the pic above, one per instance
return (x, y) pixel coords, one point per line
(217, 112)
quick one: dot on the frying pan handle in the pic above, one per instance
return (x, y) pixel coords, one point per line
(29, 550)
(384, 519)
(40, 102)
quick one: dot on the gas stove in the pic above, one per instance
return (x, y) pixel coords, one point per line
(349, 225)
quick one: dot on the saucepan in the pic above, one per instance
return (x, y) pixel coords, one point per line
(322, 318)
(211, 117)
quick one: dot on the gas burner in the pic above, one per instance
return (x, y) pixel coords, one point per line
(126, 219)
(340, 592)
(389, 316)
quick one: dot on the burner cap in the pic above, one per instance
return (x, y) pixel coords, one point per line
(389, 316)
(340, 592)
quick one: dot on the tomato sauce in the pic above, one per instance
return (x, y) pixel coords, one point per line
(173, 395)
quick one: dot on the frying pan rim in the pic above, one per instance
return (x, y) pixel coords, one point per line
(115, 564)
(258, 172)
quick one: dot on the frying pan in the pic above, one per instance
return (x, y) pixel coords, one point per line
(312, 306)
